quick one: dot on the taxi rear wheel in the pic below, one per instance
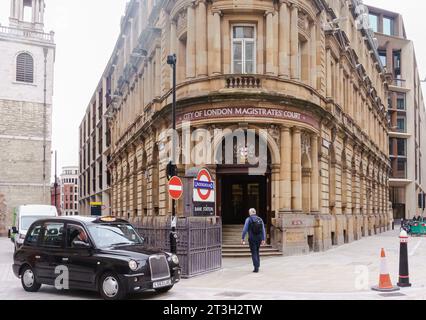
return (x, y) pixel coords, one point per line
(111, 288)
(28, 280)
(164, 290)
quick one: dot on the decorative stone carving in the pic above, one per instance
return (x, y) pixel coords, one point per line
(306, 143)
(274, 132)
(181, 23)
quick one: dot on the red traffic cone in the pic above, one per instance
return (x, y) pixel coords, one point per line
(385, 283)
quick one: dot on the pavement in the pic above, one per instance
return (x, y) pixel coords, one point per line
(343, 273)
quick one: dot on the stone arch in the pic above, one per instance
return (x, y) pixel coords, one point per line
(272, 144)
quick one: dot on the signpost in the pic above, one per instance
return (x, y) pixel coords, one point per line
(204, 195)
(96, 208)
(175, 188)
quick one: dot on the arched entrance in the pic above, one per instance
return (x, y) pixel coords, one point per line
(242, 184)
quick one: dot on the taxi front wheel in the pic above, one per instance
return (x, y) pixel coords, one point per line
(28, 280)
(111, 288)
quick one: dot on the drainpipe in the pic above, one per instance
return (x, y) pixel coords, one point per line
(45, 51)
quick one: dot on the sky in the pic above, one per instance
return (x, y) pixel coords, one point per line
(85, 35)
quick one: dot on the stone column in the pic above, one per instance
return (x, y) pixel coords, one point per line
(190, 43)
(315, 206)
(33, 6)
(157, 79)
(216, 62)
(294, 49)
(41, 18)
(173, 37)
(306, 190)
(313, 46)
(296, 171)
(269, 42)
(329, 75)
(201, 39)
(285, 169)
(284, 41)
(276, 190)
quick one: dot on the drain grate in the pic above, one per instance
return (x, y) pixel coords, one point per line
(389, 295)
(231, 294)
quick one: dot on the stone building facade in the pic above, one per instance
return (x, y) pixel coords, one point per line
(69, 191)
(305, 75)
(407, 114)
(27, 57)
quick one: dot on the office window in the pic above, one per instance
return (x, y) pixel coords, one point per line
(383, 58)
(388, 26)
(243, 49)
(400, 123)
(402, 147)
(374, 22)
(400, 101)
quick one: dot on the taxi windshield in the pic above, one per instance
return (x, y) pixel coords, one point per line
(110, 235)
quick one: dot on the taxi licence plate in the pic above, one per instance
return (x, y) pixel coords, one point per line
(162, 284)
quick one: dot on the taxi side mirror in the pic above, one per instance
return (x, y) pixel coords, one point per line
(81, 245)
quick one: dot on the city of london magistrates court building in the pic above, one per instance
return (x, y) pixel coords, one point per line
(304, 72)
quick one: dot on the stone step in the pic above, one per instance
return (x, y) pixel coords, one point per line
(248, 255)
(240, 246)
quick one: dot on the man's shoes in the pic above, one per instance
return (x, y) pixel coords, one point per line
(256, 270)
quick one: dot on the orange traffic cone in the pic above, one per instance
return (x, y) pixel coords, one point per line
(385, 283)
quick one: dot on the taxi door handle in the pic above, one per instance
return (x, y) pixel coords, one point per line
(65, 259)
(37, 257)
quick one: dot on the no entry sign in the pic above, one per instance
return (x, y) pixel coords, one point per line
(175, 188)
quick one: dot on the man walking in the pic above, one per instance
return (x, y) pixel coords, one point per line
(255, 228)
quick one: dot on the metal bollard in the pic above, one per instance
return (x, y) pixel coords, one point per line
(404, 278)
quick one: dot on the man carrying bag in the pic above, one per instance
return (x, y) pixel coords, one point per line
(255, 228)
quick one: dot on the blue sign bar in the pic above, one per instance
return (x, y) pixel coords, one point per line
(203, 185)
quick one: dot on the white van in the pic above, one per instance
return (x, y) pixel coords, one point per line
(25, 217)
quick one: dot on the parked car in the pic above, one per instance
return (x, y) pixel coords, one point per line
(103, 254)
(24, 218)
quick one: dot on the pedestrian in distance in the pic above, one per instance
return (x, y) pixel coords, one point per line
(255, 228)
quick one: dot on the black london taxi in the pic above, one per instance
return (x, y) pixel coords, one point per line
(103, 254)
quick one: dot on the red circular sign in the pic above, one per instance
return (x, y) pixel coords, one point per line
(175, 188)
(204, 175)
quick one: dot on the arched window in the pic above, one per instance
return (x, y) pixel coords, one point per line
(25, 68)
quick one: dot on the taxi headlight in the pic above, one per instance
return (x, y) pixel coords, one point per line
(133, 265)
(175, 259)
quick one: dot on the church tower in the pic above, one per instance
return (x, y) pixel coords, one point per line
(27, 14)
(27, 57)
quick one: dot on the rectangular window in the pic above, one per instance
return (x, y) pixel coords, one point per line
(400, 123)
(388, 26)
(53, 235)
(402, 147)
(400, 101)
(243, 49)
(374, 22)
(383, 57)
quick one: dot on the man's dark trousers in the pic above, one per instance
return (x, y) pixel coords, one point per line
(255, 251)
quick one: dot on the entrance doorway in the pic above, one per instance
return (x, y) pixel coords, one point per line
(240, 193)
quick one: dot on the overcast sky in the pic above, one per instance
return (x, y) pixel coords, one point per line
(86, 31)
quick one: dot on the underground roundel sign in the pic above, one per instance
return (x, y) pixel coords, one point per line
(204, 187)
(175, 188)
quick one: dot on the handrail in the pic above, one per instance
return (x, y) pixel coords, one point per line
(25, 33)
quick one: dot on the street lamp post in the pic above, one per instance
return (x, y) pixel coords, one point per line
(172, 170)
